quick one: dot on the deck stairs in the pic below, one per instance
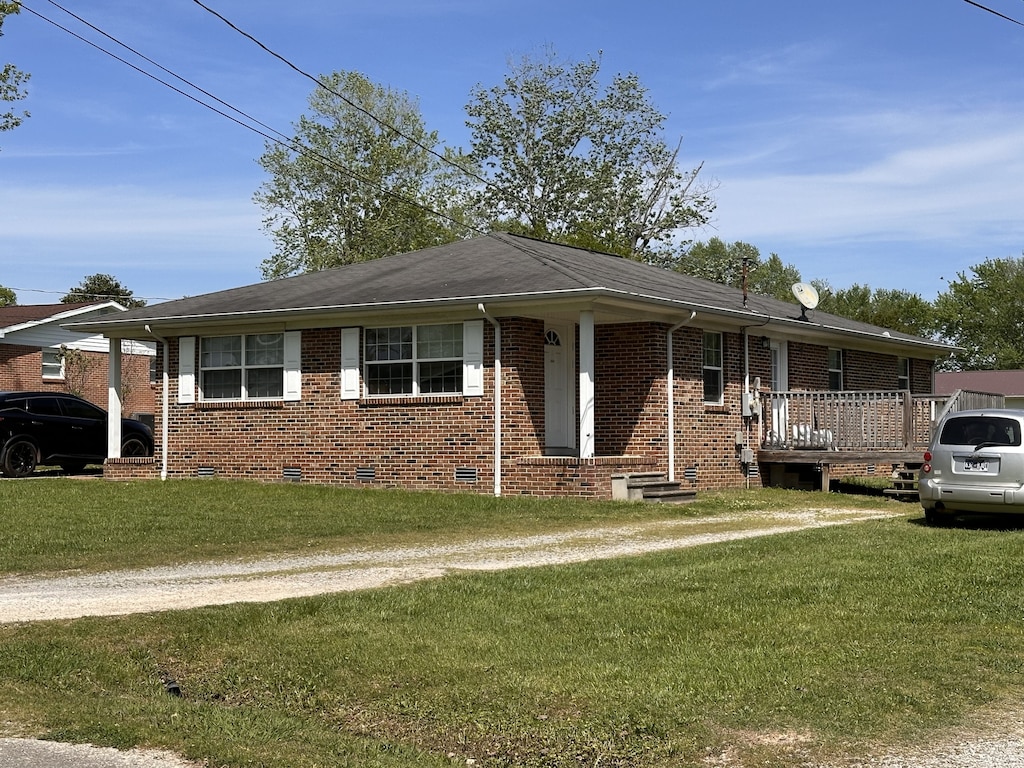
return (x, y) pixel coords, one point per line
(650, 487)
(904, 482)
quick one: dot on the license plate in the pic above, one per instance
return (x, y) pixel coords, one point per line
(975, 465)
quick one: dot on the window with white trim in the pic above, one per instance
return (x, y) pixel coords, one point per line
(53, 364)
(713, 382)
(903, 373)
(414, 360)
(243, 367)
(835, 369)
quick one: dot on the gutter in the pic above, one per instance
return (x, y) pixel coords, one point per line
(670, 377)
(166, 409)
(497, 399)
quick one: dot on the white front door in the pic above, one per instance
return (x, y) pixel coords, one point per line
(780, 383)
(559, 394)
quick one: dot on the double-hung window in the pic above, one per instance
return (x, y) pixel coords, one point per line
(244, 367)
(835, 369)
(414, 360)
(713, 380)
(903, 373)
(53, 364)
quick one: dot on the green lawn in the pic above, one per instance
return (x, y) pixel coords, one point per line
(837, 639)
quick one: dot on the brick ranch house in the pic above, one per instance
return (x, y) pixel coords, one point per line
(31, 355)
(501, 365)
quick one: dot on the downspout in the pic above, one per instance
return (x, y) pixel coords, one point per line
(166, 410)
(672, 399)
(497, 399)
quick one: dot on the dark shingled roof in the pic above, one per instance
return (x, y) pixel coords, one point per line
(484, 269)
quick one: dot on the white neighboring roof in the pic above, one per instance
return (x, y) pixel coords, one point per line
(42, 326)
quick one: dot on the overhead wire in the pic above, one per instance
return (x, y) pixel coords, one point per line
(267, 132)
(321, 84)
(994, 12)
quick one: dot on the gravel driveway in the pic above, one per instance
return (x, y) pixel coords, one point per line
(24, 599)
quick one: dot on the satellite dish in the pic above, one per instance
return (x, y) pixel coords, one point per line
(807, 295)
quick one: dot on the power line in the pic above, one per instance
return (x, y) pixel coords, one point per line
(996, 13)
(321, 84)
(285, 142)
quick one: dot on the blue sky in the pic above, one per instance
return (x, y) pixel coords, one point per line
(878, 142)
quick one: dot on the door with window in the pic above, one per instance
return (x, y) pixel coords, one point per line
(779, 383)
(559, 392)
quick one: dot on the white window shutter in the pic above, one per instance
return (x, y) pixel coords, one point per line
(473, 358)
(293, 365)
(350, 364)
(187, 369)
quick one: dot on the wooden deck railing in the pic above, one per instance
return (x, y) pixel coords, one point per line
(886, 420)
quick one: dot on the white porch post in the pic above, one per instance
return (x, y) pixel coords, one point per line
(114, 400)
(586, 384)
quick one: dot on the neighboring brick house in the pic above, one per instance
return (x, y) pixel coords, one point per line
(37, 353)
(498, 365)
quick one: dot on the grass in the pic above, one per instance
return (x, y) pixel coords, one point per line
(879, 632)
(73, 524)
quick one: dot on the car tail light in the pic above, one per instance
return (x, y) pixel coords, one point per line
(927, 455)
(926, 469)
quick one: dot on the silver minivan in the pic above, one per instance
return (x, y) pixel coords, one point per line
(975, 464)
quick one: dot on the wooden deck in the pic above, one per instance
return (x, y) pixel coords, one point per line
(805, 434)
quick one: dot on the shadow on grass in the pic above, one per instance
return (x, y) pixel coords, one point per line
(1008, 522)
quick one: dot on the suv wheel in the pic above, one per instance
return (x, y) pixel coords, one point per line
(19, 458)
(133, 446)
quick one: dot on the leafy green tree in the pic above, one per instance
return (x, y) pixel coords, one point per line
(11, 78)
(897, 310)
(8, 298)
(100, 287)
(984, 314)
(574, 162)
(723, 263)
(350, 187)
(773, 278)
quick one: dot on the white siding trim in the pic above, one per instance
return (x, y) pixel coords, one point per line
(293, 365)
(187, 369)
(473, 358)
(350, 385)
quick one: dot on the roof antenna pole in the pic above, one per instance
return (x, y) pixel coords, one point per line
(746, 260)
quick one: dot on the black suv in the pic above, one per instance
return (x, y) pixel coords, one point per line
(54, 428)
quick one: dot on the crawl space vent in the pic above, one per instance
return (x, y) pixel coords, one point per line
(366, 474)
(465, 475)
(292, 473)
(752, 470)
(690, 473)
(206, 471)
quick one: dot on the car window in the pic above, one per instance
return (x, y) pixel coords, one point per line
(13, 403)
(44, 406)
(81, 410)
(975, 430)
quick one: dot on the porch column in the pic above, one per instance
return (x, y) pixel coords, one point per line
(586, 384)
(114, 400)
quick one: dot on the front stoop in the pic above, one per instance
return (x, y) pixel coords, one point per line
(649, 486)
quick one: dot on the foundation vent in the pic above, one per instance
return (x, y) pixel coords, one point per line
(690, 473)
(206, 471)
(752, 470)
(465, 475)
(294, 474)
(366, 474)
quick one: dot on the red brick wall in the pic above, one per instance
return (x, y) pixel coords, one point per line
(420, 443)
(21, 369)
